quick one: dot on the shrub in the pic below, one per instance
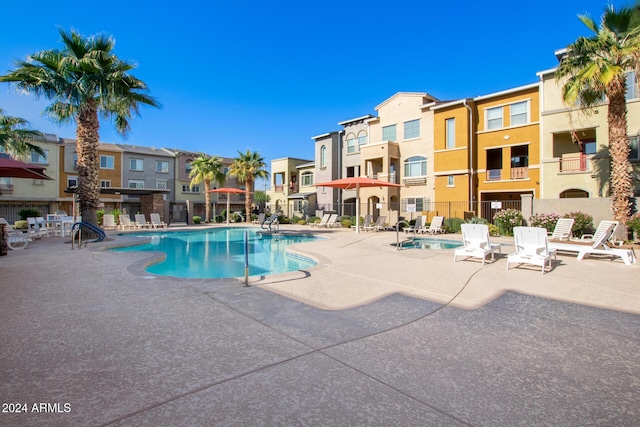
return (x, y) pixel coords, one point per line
(295, 219)
(21, 225)
(234, 217)
(544, 220)
(633, 225)
(283, 219)
(493, 230)
(314, 219)
(582, 223)
(197, 219)
(218, 218)
(506, 219)
(29, 213)
(302, 222)
(346, 222)
(452, 225)
(476, 220)
(100, 214)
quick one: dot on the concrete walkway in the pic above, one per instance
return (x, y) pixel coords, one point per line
(370, 336)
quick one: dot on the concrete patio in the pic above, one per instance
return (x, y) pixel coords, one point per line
(369, 336)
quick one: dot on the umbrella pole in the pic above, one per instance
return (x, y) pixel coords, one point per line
(228, 207)
(357, 208)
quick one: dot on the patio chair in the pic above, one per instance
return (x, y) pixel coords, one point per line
(378, 225)
(109, 221)
(332, 222)
(156, 222)
(271, 222)
(599, 247)
(125, 222)
(260, 218)
(322, 222)
(141, 221)
(562, 230)
(366, 222)
(44, 228)
(420, 222)
(16, 240)
(602, 227)
(532, 247)
(34, 229)
(475, 238)
(435, 227)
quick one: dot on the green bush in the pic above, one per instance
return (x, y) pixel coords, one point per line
(234, 217)
(21, 225)
(346, 222)
(197, 219)
(282, 219)
(544, 220)
(29, 213)
(218, 219)
(582, 223)
(452, 225)
(302, 222)
(633, 226)
(476, 220)
(493, 230)
(506, 219)
(295, 219)
(314, 219)
(100, 214)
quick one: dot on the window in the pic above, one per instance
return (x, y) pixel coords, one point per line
(161, 184)
(450, 129)
(37, 158)
(418, 201)
(136, 165)
(412, 129)
(415, 167)
(494, 118)
(588, 146)
(362, 139)
(107, 162)
(189, 189)
(105, 183)
(323, 156)
(72, 181)
(353, 171)
(450, 181)
(635, 151)
(633, 91)
(389, 133)
(75, 160)
(306, 179)
(520, 156)
(351, 144)
(187, 167)
(162, 167)
(136, 183)
(519, 113)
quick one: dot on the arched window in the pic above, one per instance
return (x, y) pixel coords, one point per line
(574, 193)
(362, 139)
(415, 166)
(351, 143)
(323, 156)
(306, 179)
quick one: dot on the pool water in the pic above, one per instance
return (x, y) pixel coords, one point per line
(219, 253)
(427, 243)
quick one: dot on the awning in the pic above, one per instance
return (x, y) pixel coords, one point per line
(125, 190)
(300, 195)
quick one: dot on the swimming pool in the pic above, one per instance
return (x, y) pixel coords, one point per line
(429, 243)
(219, 253)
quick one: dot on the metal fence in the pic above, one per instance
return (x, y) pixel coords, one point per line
(9, 210)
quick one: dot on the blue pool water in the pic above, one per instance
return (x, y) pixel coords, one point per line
(427, 243)
(219, 253)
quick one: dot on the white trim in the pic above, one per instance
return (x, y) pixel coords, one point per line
(452, 172)
(507, 92)
(507, 145)
(506, 128)
(450, 149)
(448, 104)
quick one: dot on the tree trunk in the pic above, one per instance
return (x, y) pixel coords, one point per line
(247, 201)
(207, 200)
(621, 171)
(88, 166)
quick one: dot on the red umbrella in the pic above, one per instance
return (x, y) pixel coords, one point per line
(229, 190)
(356, 182)
(10, 168)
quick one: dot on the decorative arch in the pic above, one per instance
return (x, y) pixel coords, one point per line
(574, 193)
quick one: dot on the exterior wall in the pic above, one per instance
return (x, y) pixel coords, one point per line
(286, 169)
(355, 129)
(327, 197)
(512, 180)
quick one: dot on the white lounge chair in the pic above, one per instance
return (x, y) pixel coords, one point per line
(419, 224)
(260, 218)
(125, 222)
(377, 225)
(270, 223)
(435, 227)
(16, 240)
(332, 222)
(322, 222)
(141, 221)
(532, 247)
(562, 230)
(475, 238)
(34, 229)
(602, 227)
(156, 222)
(109, 221)
(599, 247)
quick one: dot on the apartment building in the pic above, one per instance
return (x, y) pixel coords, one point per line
(575, 143)
(355, 136)
(285, 175)
(328, 152)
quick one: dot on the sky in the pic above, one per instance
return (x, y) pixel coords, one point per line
(268, 76)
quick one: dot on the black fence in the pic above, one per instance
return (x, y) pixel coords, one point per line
(9, 209)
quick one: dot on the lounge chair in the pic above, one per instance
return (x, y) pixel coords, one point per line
(532, 247)
(435, 227)
(125, 222)
(322, 222)
(260, 218)
(602, 227)
(332, 222)
(141, 221)
(420, 222)
(271, 222)
(34, 229)
(109, 221)
(599, 247)
(378, 225)
(156, 222)
(366, 222)
(46, 230)
(475, 238)
(562, 230)
(16, 240)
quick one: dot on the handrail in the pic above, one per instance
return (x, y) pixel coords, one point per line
(77, 230)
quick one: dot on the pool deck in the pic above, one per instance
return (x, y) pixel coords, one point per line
(369, 336)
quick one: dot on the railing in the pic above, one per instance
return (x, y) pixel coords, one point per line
(387, 177)
(573, 164)
(278, 188)
(520, 173)
(494, 174)
(6, 188)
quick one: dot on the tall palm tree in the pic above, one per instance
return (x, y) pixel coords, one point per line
(596, 67)
(15, 136)
(84, 80)
(246, 168)
(207, 169)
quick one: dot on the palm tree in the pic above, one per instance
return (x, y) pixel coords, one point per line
(207, 169)
(84, 80)
(246, 168)
(596, 67)
(15, 136)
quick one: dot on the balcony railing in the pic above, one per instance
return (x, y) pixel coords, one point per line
(387, 177)
(279, 188)
(494, 174)
(6, 188)
(520, 173)
(573, 163)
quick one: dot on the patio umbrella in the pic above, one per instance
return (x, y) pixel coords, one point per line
(229, 191)
(10, 168)
(356, 182)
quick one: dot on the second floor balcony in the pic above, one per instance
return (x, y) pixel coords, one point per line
(513, 174)
(574, 163)
(386, 177)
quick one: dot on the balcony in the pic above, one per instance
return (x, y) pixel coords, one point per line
(494, 174)
(386, 177)
(6, 188)
(573, 163)
(520, 173)
(278, 188)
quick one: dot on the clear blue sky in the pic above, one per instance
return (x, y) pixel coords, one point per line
(267, 76)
